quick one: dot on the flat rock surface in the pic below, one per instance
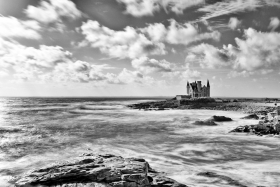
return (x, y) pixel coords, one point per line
(99, 171)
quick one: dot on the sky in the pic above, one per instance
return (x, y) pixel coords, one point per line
(139, 47)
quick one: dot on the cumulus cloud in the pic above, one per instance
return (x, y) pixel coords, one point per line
(54, 64)
(274, 23)
(136, 43)
(178, 33)
(147, 65)
(46, 56)
(78, 71)
(15, 28)
(148, 7)
(207, 56)
(187, 33)
(258, 53)
(52, 12)
(128, 43)
(234, 23)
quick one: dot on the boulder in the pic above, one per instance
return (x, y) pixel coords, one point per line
(97, 171)
(251, 116)
(221, 118)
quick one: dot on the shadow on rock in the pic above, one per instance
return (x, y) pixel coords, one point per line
(227, 179)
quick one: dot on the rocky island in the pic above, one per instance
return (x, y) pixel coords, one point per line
(253, 106)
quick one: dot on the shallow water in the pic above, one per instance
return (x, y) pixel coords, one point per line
(38, 131)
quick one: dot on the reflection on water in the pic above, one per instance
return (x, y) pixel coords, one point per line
(35, 132)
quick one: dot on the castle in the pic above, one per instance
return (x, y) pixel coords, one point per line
(195, 89)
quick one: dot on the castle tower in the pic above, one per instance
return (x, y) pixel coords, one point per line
(208, 88)
(199, 86)
(188, 88)
(199, 94)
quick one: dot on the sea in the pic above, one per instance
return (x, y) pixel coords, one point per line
(36, 132)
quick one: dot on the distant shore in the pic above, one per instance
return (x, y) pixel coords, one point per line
(257, 106)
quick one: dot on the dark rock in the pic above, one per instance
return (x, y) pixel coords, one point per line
(260, 129)
(97, 171)
(159, 180)
(227, 179)
(251, 116)
(221, 118)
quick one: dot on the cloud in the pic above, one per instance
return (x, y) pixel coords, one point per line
(148, 7)
(52, 12)
(258, 52)
(274, 23)
(78, 71)
(54, 64)
(187, 33)
(207, 56)
(136, 43)
(147, 65)
(244, 73)
(177, 33)
(228, 7)
(15, 28)
(45, 56)
(234, 23)
(128, 43)
(183, 73)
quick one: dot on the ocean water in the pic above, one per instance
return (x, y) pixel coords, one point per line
(35, 132)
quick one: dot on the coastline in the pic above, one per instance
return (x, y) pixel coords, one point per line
(248, 107)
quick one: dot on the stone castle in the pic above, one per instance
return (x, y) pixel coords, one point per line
(195, 89)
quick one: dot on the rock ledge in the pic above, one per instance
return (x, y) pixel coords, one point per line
(91, 170)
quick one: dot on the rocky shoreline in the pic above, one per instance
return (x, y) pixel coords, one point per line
(91, 170)
(257, 112)
(203, 104)
(107, 170)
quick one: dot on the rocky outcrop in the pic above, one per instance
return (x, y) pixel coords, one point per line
(98, 171)
(260, 129)
(221, 118)
(251, 116)
(212, 120)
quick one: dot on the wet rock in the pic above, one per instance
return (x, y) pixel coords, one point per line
(98, 171)
(227, 179)
(260, 129)
(208, 122)
(221, 118)
(251, 116)
(158, 179)
(212, 120)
